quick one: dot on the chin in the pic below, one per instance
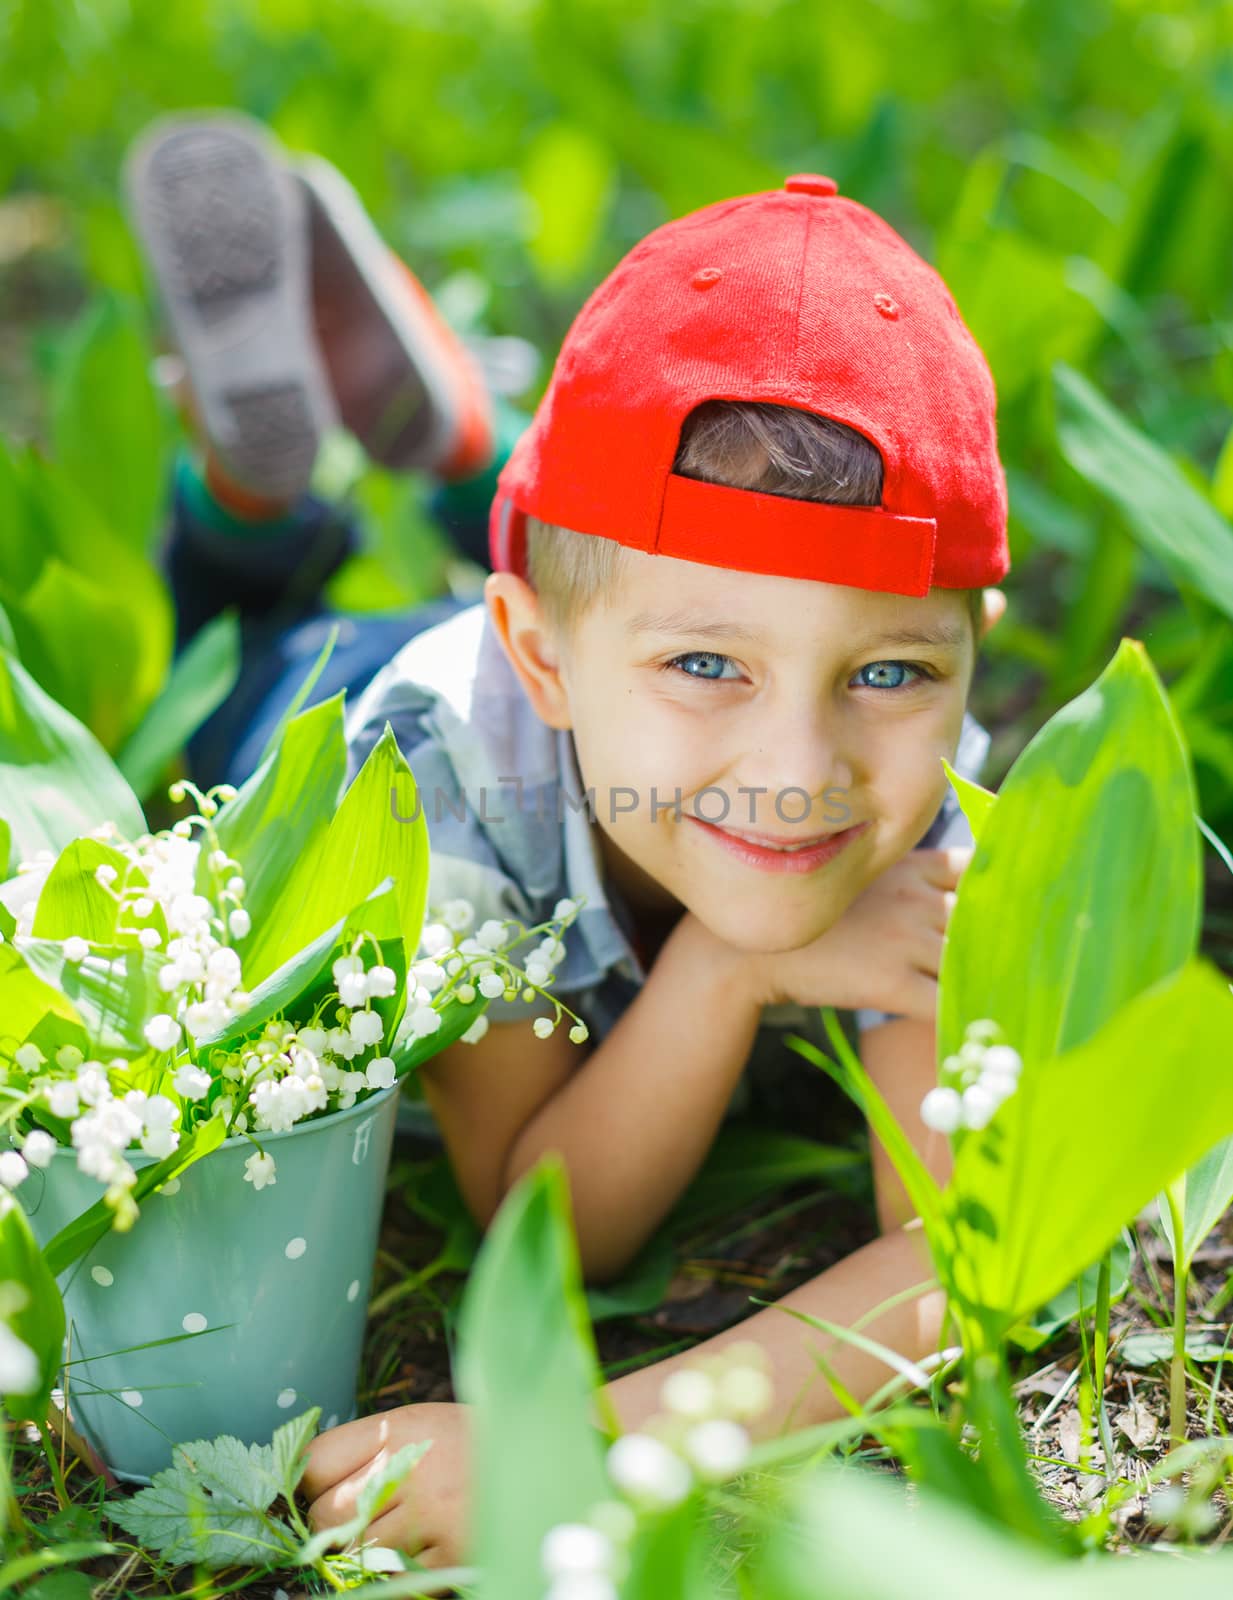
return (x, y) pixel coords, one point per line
(761, 931)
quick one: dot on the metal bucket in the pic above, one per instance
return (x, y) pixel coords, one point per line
(264, 1293)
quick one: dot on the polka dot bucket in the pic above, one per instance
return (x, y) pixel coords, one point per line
(263, 1293)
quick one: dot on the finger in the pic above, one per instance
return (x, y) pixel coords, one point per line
(396, 1528)
(944, 866)
(337, 1503)
(336, 1454)
(921, 1000)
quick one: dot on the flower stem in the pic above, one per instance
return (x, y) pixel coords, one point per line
(1177, 1370)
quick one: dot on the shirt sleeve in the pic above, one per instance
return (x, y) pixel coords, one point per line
(950, 827)
(463, 863)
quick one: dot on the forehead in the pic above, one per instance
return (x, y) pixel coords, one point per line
(659, 595)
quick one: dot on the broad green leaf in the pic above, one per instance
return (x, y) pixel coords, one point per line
(114, 448)
(25, 1001)
(1207, 1193)
(1164, 510)
(568, 175)
(1021, 1234)
(76, 636)
(39, 1321)
(56, 780)
(73, 902)
(526, 1364)
(1094, 822)
(201, 678)
(68, 526)
(1065, 1305)
(301, 981)
(114, 990)
(974, 800)
(6, 848)
(285, 806)
(301, 694)
(859, 1529)
(364, 843)
(84, 1232)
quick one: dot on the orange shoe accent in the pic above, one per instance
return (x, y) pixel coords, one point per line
(240, 502)
(475, 443)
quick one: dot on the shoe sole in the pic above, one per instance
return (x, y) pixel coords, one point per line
(419, 401)
(225, 232)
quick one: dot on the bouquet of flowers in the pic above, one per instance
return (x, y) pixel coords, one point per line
(185, 1043)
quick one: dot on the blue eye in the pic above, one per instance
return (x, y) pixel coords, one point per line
(711, 665)
(893, 666)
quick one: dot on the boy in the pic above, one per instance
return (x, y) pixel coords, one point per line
(765, 467)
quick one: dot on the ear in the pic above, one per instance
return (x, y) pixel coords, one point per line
(993, 608)
(531, 645)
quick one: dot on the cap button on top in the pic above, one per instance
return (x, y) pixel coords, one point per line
(810, 183)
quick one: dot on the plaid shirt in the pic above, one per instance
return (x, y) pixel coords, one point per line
(507, 820)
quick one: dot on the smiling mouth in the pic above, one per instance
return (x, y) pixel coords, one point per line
(766, 841)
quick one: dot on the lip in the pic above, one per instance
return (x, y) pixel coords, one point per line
(792, 861)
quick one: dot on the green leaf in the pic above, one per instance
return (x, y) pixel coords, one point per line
(84, 1232)
(568, 174)
(26, 1002)
(1095, 821)
(289, 1444)
(56, 780)
(301, 694)
(1021, 1235)
(1145, 1347)
(201, 678)
(299, 982)
(363, 844)
(1163, 509)
(285, 806)
(1064, 1308)
(114, 990)
(209, 1506)
(39, 1322)
(13, 1572)
(73, 902)
(1207, 1194)
(974, 801)
(1065, 1305)
(526, 1365)
(64, 524)
(108, 431)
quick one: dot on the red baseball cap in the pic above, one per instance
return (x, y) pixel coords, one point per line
(796, 296)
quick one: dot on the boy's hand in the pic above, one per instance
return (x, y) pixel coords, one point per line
(885, 950)
(426, 1515)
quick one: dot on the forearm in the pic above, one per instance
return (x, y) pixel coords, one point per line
(634, 1123)
(842, 1295)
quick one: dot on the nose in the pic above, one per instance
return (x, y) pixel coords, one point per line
(796, 758)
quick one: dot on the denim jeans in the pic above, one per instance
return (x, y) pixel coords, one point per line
(274, 581)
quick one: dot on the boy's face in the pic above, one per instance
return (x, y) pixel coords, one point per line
(777, 707)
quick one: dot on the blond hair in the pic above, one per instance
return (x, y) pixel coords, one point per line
(745, 444)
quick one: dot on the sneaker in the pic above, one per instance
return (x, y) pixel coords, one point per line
(224, 229)
(406, 385)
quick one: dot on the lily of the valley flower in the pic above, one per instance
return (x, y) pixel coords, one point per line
(974, 1082)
